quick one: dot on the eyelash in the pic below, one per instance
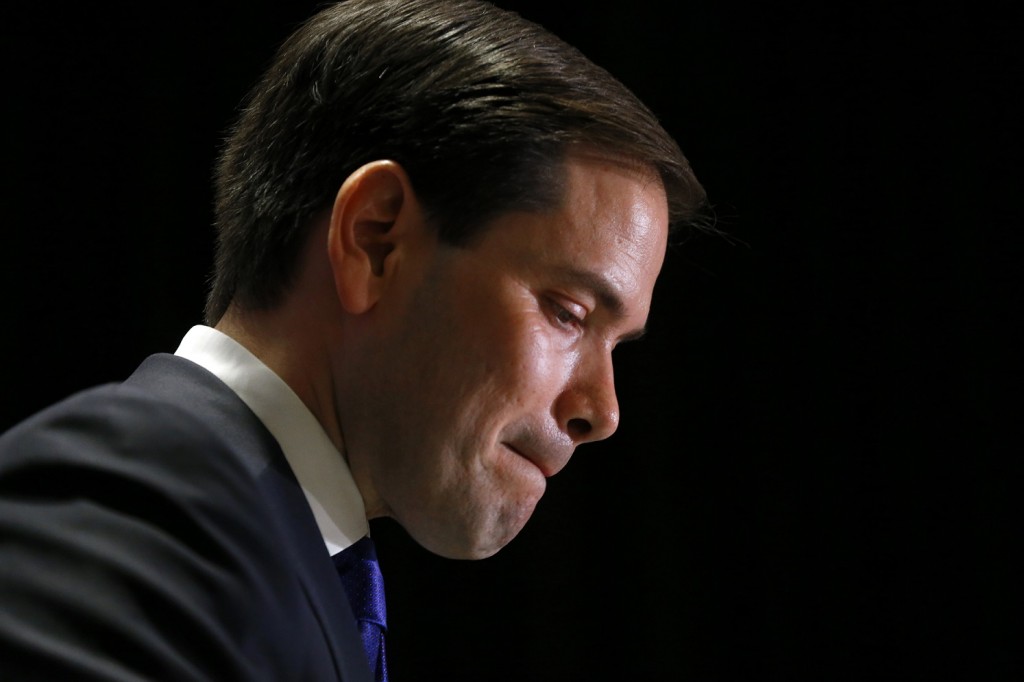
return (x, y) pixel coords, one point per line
(565, 317)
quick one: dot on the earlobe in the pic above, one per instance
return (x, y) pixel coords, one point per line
(365, 227)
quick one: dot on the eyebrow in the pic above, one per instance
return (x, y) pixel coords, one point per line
(606, 296)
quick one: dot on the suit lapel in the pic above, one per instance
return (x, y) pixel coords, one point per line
(190, 385)
(314, 568)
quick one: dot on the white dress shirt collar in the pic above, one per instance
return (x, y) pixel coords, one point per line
(321, 470)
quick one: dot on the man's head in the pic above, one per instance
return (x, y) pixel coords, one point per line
(450, 218)
(479, 106)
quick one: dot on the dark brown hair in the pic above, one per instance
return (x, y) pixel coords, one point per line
(477, 104)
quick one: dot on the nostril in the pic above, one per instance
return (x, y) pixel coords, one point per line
(579, 428)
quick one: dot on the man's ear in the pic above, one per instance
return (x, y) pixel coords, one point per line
(374, 209)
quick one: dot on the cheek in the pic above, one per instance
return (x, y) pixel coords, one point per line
(527, 361)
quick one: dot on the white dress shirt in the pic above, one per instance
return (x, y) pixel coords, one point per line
(320, 468)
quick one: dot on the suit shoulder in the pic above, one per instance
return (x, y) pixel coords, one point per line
(135, 533)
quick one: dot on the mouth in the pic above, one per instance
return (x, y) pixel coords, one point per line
(544, 467)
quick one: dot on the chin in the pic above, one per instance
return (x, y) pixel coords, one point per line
(489, 546)
(470, 548)
(478, 553)
(478, 540)
(460, 550)
(506, 527)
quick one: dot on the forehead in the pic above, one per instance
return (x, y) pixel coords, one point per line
(609, 196)
(608, 211)
(610, 228)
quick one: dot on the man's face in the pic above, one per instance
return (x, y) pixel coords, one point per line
(497, 363)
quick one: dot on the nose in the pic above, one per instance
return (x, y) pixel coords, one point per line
(588, 410)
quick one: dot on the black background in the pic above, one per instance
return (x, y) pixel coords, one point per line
(816, 471)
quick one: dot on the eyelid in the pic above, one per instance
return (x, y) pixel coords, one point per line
(578, 310)
(561, 304)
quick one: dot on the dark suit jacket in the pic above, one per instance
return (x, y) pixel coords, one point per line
(152, 530)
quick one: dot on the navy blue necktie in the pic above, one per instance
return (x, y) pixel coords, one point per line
(364, 586)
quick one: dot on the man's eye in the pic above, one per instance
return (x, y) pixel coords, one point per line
(566, 317)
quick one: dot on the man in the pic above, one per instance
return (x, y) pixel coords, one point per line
(435, 222)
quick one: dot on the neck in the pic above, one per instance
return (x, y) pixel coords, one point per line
(291, 345)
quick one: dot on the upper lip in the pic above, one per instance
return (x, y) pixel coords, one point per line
(549, 460)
